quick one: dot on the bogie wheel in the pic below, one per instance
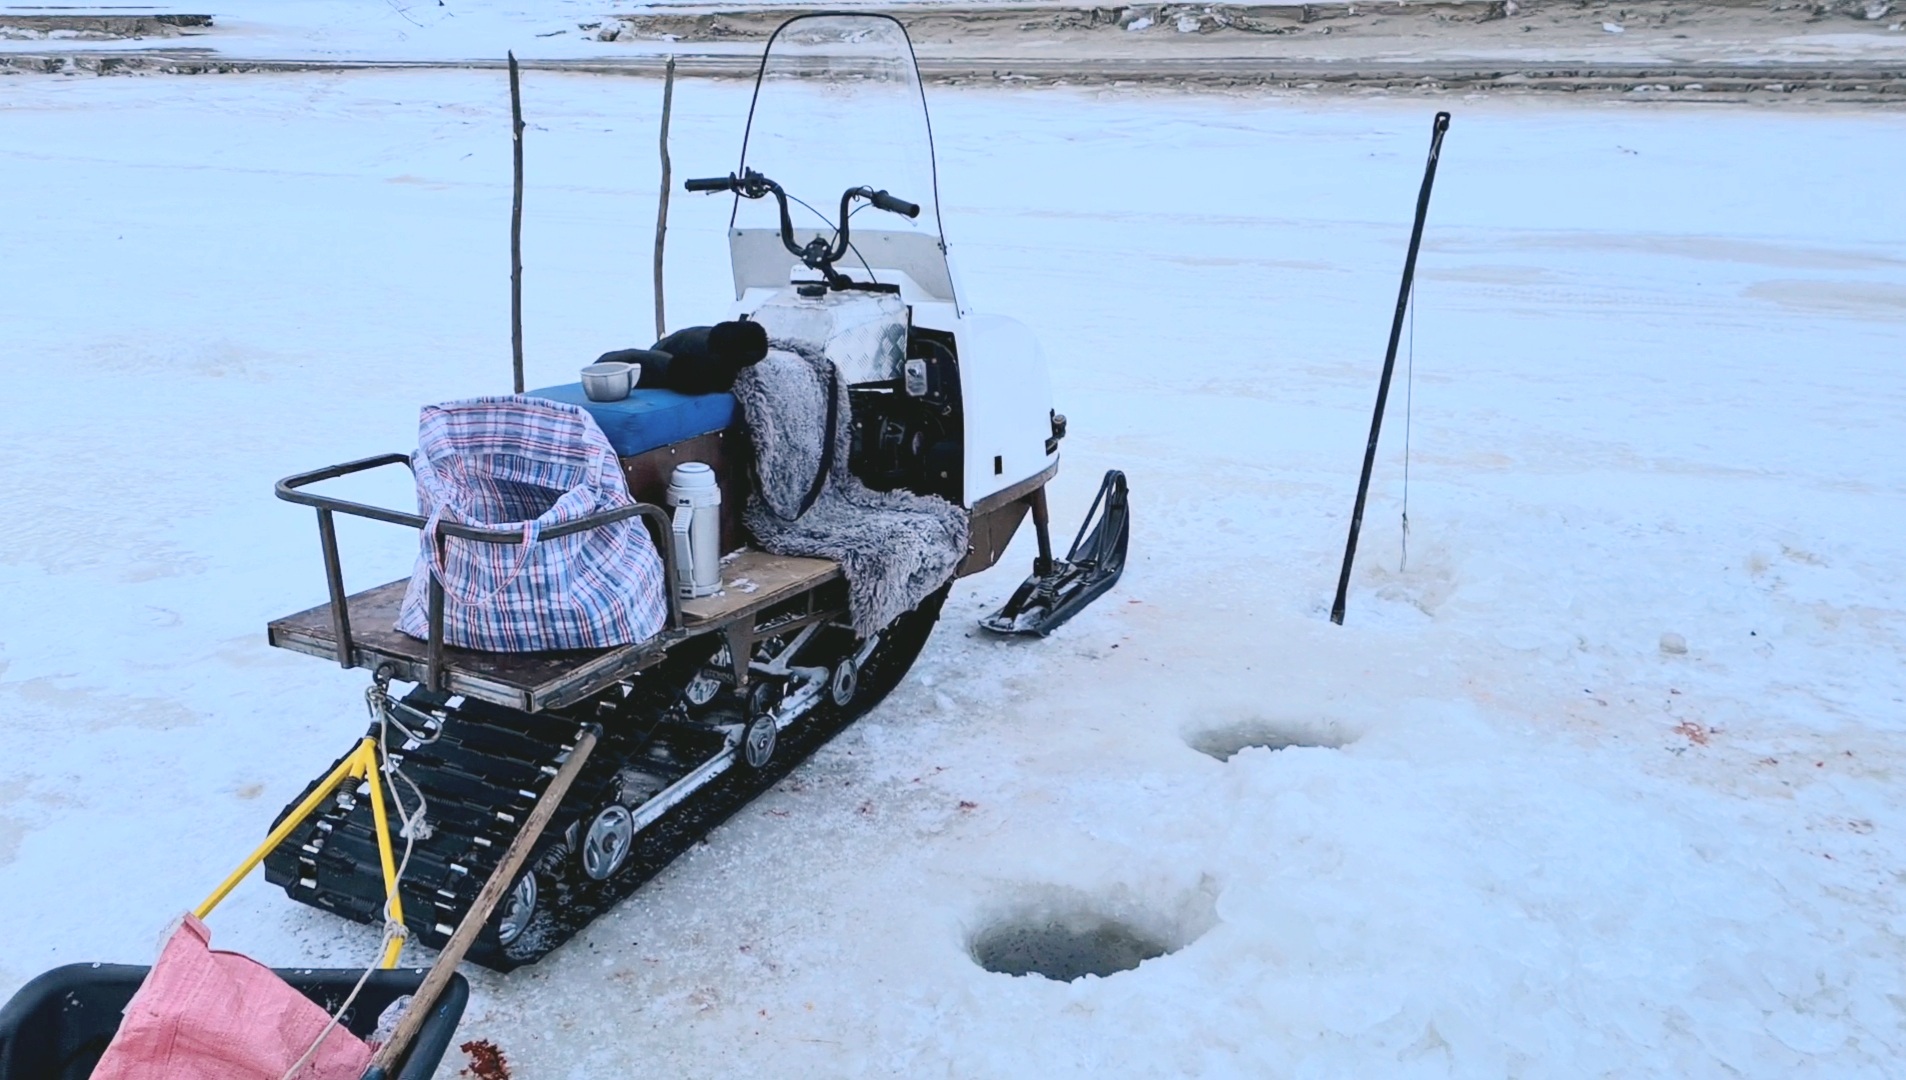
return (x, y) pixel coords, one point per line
(607, 841)
(757, 741)
(701, 689)
(844, 682)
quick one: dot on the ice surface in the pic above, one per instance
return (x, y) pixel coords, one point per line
(1657, 386)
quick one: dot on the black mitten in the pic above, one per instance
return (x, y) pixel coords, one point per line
(706, 359)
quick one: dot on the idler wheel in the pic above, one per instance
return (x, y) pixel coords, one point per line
(516, 909)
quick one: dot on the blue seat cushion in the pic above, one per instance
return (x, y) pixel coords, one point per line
(649, 419)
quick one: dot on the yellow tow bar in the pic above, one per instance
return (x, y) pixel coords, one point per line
(360, 764)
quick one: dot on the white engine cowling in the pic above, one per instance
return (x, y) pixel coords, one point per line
(1005, 392)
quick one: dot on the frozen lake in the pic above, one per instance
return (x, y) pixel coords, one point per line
(1658, 390)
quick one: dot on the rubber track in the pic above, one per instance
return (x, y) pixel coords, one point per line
(486, 768)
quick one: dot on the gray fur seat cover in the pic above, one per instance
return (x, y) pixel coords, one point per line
(895, 547)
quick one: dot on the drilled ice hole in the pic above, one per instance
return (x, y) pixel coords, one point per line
(1065, 949)
(1064, 935)
(1226, 741)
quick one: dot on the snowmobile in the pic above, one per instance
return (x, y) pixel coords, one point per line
(743, 684)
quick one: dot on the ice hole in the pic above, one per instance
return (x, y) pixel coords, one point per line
(1064, 933)
(1065, 948)
(1227, 741)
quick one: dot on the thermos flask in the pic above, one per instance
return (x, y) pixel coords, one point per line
(696, 499)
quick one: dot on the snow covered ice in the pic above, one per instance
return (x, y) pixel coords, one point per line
(1658, 393)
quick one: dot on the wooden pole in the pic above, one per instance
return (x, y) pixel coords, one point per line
(384, 1064)
(1437, 129)
(661, 211)
(516, 231)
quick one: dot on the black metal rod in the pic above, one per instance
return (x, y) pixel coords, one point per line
(516, 231)
(334, 583)
(331, 472)
(661, 527)
(433, 648)
(1437, 129)
(288, 490)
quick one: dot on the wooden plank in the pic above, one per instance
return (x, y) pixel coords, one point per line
(753, 580)
(529, 681)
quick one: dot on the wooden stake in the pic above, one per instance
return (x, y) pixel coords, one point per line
(516, 232)
(661, 211)
(501, 879)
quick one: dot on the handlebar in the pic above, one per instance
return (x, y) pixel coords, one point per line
(817, 254)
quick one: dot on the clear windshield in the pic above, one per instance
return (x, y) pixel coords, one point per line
(838, 105)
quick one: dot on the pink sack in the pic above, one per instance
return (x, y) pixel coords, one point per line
(203, 1014)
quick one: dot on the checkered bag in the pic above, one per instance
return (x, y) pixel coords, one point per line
(527, 465)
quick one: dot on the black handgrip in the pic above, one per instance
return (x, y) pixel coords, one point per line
(712, 183)
(894, 205)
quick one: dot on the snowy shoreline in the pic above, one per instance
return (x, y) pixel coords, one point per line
(1843, 51)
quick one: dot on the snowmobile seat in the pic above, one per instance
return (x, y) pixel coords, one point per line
(649, 419)
(653, 430)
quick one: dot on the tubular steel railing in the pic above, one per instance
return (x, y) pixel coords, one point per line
(289, 489)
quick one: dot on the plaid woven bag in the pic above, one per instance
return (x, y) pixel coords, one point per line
(527, 465)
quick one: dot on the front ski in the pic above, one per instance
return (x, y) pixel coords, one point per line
(1060, 588)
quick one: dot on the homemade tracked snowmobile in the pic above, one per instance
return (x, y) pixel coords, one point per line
(740, 685)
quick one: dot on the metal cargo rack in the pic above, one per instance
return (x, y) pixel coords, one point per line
(358, 630)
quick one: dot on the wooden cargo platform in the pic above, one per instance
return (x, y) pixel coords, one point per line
(752, 581)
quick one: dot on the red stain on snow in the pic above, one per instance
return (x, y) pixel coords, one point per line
(486, 1060)
(1694, 732)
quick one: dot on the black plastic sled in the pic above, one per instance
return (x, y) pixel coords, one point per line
(58, 1025)
(1061, 588)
